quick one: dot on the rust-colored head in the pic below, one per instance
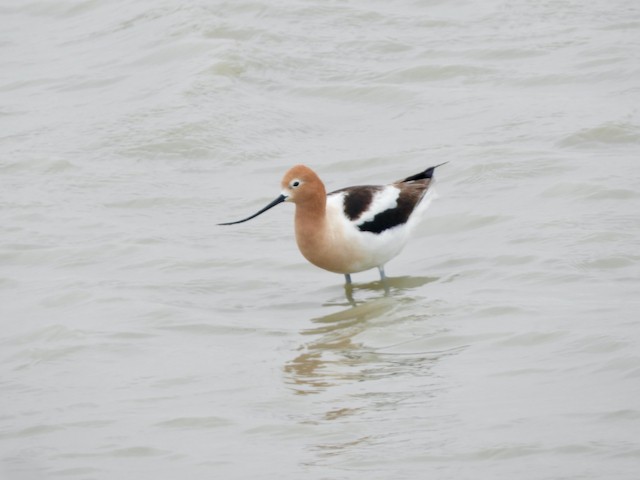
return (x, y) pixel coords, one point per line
(301, 186)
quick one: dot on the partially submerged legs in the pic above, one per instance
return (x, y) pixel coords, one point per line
(383, 276)
(383, 279)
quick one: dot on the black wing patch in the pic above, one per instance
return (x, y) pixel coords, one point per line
(392, 217)
(357, 199)
(412, 190)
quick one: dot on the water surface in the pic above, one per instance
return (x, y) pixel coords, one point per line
(140, 340)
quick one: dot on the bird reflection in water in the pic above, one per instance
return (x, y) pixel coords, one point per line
(333, 356)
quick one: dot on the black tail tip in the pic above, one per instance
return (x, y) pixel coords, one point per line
(428, 173)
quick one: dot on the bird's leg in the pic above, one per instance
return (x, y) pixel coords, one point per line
(348, 289)
(348, 292)
(383, 279)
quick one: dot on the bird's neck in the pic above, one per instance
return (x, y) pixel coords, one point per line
(311, 216)
(311, 227)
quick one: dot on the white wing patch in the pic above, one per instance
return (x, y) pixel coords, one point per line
(385, 199)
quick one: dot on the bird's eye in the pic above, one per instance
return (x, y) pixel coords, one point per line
(295, 183)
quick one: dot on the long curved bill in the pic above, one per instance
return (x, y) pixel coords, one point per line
(278, 200)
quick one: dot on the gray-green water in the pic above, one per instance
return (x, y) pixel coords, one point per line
(140, 340)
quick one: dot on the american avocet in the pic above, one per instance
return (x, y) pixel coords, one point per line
(356, 228)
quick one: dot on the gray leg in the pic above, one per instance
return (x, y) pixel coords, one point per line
(383, 280)
(383, 277)
(347, 278)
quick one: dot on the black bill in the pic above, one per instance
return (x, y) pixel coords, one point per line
(278, 200)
